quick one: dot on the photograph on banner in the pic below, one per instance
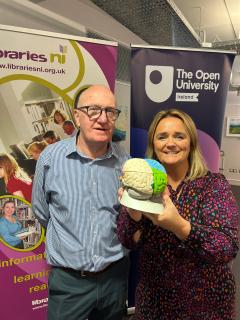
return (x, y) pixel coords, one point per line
(37, 117)
(19, 228)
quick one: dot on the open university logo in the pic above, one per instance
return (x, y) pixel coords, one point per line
(159, 82)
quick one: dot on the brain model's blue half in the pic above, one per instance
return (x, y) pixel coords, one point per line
(155, 164)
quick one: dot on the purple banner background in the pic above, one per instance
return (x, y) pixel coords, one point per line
(207, 112)
(22, 299)
(106, 58)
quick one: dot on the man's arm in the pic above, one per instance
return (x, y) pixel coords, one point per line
(39, 195)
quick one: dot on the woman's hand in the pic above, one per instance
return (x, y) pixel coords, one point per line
(134, 214)
(170, 219)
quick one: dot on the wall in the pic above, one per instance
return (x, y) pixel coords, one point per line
(27, 15)
(93, 18)
(51, 15)
(231, 145)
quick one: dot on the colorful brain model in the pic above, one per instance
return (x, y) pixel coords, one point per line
(143, 178)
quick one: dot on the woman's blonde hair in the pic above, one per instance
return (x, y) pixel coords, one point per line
(197, 164)
(12, 169)
(37, 146)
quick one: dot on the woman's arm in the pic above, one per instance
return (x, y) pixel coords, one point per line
(214, 237)
(170, 219)
(212, 232)
(129, 227)
(18, 193)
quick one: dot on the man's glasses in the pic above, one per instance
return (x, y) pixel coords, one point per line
(94, 112)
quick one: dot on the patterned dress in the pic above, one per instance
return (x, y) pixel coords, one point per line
(191, 279)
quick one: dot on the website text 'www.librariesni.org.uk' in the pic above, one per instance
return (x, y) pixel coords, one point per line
(12, 66)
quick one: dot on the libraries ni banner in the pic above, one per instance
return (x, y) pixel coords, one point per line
(40, 74)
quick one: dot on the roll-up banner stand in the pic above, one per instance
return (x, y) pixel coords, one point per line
(40, 75)
(193, 80)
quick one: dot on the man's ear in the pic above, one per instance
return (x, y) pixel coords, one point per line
(76, 115)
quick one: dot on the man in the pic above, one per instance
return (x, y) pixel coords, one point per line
(75, 198)
(50, 137)
(69, 128)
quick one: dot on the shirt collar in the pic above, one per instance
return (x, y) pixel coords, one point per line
(72, 148)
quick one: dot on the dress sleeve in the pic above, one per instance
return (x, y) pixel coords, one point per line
(126, 227)
(214, 237)
(39, 196)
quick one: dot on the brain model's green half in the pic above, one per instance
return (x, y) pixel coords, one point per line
(159, 176)
(159, 181)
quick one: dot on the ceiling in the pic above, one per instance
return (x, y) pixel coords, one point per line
(213, 20)
(156, 22)
(191, 23)
(205, 22)
(183, 23)
(179, 23)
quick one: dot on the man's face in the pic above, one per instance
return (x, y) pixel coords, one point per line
(98, 130)
(50, 140)
(68, 129)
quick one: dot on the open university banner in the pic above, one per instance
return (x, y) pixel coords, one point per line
(194, 81)
(40, 75)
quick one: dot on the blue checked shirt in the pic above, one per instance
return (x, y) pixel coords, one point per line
(76, 199)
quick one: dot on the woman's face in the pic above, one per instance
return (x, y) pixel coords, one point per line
(58, 117)
(35, 154)
(9, 209)
(171, 142)
(2, 172)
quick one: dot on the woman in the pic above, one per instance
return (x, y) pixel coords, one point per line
(35, 148)
(9, 225)
(16, 180)
(184, 251)
(57, 125)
